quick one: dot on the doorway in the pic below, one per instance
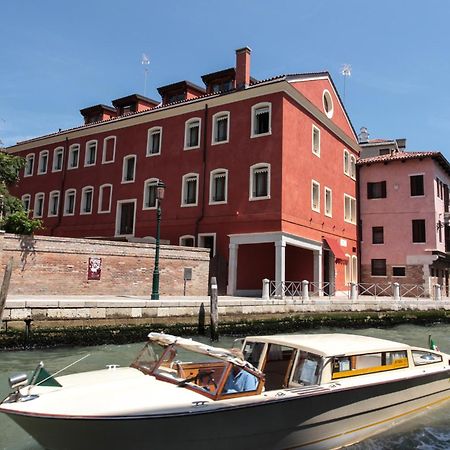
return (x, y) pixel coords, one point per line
(125, 220)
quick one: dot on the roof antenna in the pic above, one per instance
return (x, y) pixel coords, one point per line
(145, 61)
(346, 71)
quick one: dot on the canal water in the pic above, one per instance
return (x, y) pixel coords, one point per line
(428, 431)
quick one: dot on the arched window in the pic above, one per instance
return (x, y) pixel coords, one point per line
(192, 133)
(87, 198)
(43, 162)
(218, 186)
(154, 139)
(150, 201)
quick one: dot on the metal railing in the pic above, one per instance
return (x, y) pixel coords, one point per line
(304, 290)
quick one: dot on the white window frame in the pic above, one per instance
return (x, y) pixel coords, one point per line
(28, 197)
(183, 188)
(124, 166)
(315, 129)
(39, 195)
(315, 183)
(328, 191)
(56, 151)
(83, 193)
(346, 161)
(100, 198)
(352, 209)
(252, 169)
(66, 196)
(202, 235)
(352, 167)
(326, 93)
(215, 119)
(186, 236)
(253, 119)
(211, 186)
(153, 181)
(150, 132)
(105, 147)
(72, 148)
(41, 171)
(187, 125)
(51, 196)
(86, 153)
(118, 214)
(30, 156)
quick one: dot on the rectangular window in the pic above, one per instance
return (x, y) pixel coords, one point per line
(376, 190)
(29, 166)
(53, 206)
(349, 209)
(418, 231)
(218, 187)
(192, 138)
(378, 267)
(69, 203)
(399, 271)
(328, 202)
(86, 203)
(129, 169)
(109, 150)
(91, 153)
(416, 183)
(190, 191)
(221, 128)
(26, 199)
(346, 162)
(154, 142)
(260, 182)
(74, 154)
(104, 200)
(43, 161)
(315, 196)
(261, 120)
(58, 159)
(316, 140)
(377, 235)
(39, 205)
(150, 194)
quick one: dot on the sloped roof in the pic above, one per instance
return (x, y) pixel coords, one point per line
(403, 156)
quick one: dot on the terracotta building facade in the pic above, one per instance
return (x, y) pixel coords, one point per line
(261, 172)
(404, 213)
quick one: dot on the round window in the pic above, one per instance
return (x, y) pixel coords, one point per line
(328, 104)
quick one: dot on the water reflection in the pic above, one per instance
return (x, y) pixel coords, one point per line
(430, 431)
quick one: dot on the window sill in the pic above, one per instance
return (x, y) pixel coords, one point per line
(328, 215)
(83, 213)
(149, 208)
(149, 155)
(220, 142)
(42, 173)
(378, 276)
(260, 134)
(189, 205)
(72, 168)
(89, 165)
(417, 196)
(315, 210)
(254, 199)
(29, 175)
(316, 154)
(52, 215)
(191, 148)
(348, 221)
(127, 181)
(110, 161)
(68, 214)
(104, 212)
(56, 170)
(224, 202)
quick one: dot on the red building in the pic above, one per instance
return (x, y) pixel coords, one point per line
(262, 172)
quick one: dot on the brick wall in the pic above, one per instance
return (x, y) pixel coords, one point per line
(53, 265)
(414, 275)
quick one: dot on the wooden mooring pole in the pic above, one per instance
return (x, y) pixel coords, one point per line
(5, 286)
(214, 311)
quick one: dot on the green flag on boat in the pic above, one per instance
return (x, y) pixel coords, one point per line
(42, 377)
(431, 344)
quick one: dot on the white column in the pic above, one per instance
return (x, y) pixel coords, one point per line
(318, 272)
(280, 265)
(232, 268)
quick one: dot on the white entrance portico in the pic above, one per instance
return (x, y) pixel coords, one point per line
(280, 240)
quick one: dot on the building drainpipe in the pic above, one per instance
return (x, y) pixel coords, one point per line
(205, 146)
(359, 225)
(65, 160)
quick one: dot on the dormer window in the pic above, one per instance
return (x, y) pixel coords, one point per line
(222, 86)
(176, 97)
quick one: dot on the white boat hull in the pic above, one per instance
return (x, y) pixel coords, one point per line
(301, 418)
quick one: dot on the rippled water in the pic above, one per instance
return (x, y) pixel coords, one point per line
(428, 431)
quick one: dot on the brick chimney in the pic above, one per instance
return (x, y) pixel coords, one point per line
(243, 67)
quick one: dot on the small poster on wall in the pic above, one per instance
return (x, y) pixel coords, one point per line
(94, 268)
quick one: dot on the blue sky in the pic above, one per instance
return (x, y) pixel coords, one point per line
(57, 57)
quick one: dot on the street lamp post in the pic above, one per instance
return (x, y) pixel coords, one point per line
(159, 197)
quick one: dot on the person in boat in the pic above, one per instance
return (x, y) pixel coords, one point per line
(240, 380)
(206, 381)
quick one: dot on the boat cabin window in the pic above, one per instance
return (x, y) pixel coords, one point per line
(252, 352)
(421, 357)
(307, 369)
(348, 366)
(278, 366)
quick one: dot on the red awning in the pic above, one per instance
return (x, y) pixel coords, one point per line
(337, 250)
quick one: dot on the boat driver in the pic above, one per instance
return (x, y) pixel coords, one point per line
(240, 380)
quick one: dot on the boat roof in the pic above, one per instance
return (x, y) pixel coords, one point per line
(336, 344)
(198, 347)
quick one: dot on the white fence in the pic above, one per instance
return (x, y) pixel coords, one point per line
(304, 290)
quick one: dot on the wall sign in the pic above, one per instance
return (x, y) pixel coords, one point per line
(94, 268)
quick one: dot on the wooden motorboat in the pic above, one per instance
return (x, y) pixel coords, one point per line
(319, 391)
